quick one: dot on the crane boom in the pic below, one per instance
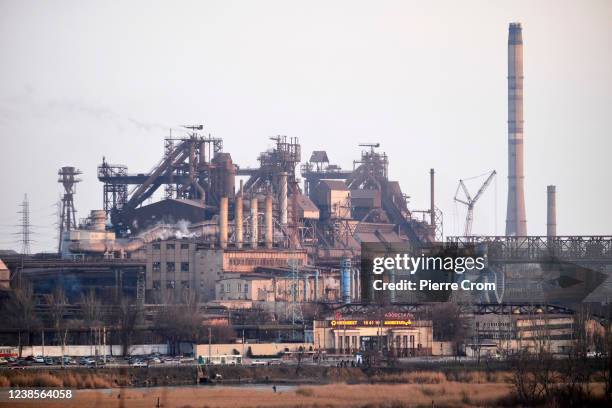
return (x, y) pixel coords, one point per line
(470, 202)
(484, 185)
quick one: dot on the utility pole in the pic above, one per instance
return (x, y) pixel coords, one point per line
(104, 342)
(209, 345)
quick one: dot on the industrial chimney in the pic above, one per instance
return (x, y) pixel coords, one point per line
(551, 211)
(254, 225)
(238, 209)
(282, 199)
(223, 222)
(269, 238)
(516, 219)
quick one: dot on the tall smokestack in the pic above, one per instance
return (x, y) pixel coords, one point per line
(516, 219)
(283, 198)
(223, 223)
(254, 226)
(551, 211)
(269, 226)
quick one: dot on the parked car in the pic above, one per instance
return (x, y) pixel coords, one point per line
(49, 361)
(3, 361)
(87, 361)
(69, 361)
(155, 360)
(170, 360)
(138, 363)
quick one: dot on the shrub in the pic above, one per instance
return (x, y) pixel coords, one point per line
(46, 380)
(305, 392)
(4, 382)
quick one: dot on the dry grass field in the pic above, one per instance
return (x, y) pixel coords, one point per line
(388, 390)
(447, 394)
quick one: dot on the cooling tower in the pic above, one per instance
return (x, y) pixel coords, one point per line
(516, 219)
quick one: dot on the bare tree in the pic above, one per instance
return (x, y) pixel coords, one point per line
(56, 302)
(533, 373)
(125, 317)
(20, 312)
(91, 312)
(182, 322)
(91, 308)
(607, 353)
(449, 324)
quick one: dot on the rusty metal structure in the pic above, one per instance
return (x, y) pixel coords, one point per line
(68, 177)
(193, 168)
(373, 197)
(329, 219)
(510, 249)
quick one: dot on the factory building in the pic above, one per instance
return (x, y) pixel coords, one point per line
(333, 199)
(177, 264)
(278, 287)
(393, 334)
(5, 277)
(511, 333)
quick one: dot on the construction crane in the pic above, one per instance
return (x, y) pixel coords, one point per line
(471, 202)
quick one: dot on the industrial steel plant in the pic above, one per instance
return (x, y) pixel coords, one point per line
(271, 257)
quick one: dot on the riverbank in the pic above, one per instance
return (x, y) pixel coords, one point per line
(155, 376)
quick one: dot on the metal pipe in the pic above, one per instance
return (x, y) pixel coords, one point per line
(551, 211)
(316, 286)
(159, 232)
(238, 220)
(202, 154)
(254, 226)
(345, 280)
(358, 291)
(223, 223)
(283, 198)
(269, 226)
(353, 285)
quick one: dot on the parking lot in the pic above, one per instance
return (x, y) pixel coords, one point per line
(34, 362)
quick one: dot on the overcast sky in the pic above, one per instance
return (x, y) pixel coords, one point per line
(427, 79)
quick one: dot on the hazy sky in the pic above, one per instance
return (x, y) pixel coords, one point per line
(427, 79)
